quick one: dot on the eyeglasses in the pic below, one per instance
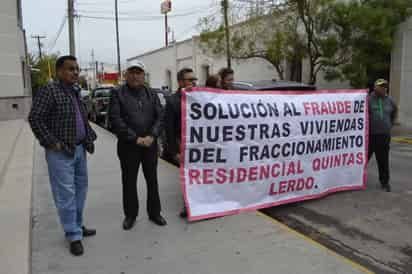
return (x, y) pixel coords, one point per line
(191, 79)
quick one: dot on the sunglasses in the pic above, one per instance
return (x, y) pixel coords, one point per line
(191, 79)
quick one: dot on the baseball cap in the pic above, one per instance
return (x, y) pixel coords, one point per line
(381, 82)
(135, 64)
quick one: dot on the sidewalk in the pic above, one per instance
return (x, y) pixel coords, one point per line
(402, 134)
(16, 165)
(247, 243)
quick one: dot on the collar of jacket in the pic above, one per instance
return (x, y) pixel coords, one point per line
(125, 87)
(75, 87)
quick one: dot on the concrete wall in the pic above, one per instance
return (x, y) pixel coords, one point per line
(167, 61)
(14, 73)
(401, 73)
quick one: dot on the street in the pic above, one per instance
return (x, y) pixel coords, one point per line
(244, 243)
(371, 227)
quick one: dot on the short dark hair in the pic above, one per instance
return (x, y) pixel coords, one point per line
(182, 72)
(212, 81)
(224, 72)
(60, 61)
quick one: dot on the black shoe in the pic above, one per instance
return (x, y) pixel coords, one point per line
(388, 188)
(76, 248)
(159, 220)
(183, 214)
(87, 232)
(128, 223)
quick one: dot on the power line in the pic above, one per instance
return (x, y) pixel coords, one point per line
(62, 24)
(38, 38)
(140, 18)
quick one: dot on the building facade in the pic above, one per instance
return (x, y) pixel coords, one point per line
(162, 66)
(15, 85)
(401, 73)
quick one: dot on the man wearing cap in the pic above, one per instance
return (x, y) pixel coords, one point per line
(382, 114)
(136, 115)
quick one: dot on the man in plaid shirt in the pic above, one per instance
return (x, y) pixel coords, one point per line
(59, 121)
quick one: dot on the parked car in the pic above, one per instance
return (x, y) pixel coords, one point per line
(86, 99)
(100, 98)
(271, 85)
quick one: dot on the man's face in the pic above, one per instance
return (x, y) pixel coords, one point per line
(189, 81)
(135, 77)
(227, 82)
(381, 90)
(69, 73)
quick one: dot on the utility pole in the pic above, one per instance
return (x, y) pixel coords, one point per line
(38, 38)
(70, 13)
(165, 8)
(166, 31)
(225, 7)
(119, 70)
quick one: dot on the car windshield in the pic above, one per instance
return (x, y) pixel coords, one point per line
(84, 93)
(103, 92)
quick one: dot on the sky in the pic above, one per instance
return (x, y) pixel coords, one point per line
(141, 30)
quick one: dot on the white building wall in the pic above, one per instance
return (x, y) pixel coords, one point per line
(15, 88)
(401, 73)
(189, 54)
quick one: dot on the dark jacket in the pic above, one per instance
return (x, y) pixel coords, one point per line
(135, 113)
(382, 114)
(172, 120)
(53, 118)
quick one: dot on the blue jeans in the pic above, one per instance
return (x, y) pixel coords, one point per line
(68, 180)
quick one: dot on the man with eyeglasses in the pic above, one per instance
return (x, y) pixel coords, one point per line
(226, 78)
(135, 115)
(59, 121)
(172, 118)
(382, 114)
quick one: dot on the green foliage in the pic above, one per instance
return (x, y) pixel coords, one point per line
(41, 77)
(347, 40)
(368, 30)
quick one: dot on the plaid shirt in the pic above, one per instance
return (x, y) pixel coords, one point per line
(53, 119)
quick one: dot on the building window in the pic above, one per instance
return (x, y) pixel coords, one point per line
(169, 79)
(296, 70)
(205, 73)
(23, 73)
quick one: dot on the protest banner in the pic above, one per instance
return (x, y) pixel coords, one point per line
(246, 150)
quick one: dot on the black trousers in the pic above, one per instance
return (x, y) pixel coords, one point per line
(131, 156)
(379, 144)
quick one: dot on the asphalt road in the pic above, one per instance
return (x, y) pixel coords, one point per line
(371, 227)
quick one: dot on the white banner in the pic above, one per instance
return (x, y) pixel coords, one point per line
(245, 150)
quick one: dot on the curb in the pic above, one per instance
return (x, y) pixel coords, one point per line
(402, 140)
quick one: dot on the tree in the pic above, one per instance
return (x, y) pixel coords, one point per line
(369, 26)
(44, 70)
(272, 36)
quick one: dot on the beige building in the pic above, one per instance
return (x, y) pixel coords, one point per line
(15, 86)
(401, 73)
(162, 65)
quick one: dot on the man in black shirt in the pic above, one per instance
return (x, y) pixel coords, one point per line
(187, 80)
(135, 115)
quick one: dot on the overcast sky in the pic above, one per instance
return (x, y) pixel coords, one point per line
(143, 33)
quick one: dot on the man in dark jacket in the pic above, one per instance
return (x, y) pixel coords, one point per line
(135, 116)
(382, 114)
(172, 117)
(226, 78)
(59, 121)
